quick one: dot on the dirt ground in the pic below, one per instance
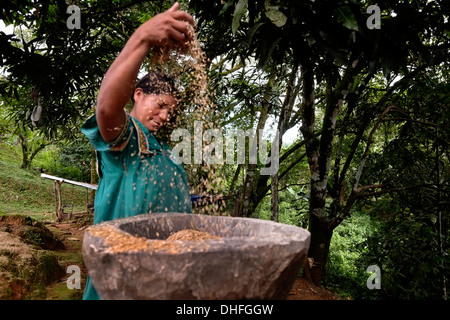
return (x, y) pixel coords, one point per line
(306, 290)
(72, 235)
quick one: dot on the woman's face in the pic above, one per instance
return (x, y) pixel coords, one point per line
(153, 110)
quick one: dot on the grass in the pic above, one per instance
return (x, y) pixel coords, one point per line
(25, 192)
(60, 290)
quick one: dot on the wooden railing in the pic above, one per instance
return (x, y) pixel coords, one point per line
(57, 181)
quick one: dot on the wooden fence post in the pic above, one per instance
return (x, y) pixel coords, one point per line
(58, 200)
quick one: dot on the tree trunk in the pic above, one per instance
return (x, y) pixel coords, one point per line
(320, 153)
(235, 179)
(319, 247)
(248, 191)
(24, 145)
(28, 153)
(250, 177)
(274, 209)
(35, 152)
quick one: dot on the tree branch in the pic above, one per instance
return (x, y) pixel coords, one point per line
(412, 120)
(369, 144)
(359, 193)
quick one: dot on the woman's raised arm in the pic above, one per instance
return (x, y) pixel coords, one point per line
(166, 30)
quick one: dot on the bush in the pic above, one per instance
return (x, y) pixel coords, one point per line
(345, 271)
(406, 248)
(70, 161)
(291, 210)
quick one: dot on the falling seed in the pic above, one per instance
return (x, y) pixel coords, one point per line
(190, 69)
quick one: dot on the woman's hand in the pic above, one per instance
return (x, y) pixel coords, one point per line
(167, 30)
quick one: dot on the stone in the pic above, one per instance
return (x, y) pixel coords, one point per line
(130, 258)
(30, 231)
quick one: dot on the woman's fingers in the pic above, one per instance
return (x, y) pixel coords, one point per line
(170, 28)
(179, 31)
(183, 16)
(179, 14)
(175, 7)
(183, 31)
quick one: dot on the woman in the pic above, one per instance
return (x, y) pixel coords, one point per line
(136, 172)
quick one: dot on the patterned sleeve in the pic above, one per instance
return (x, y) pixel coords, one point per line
(90, 129)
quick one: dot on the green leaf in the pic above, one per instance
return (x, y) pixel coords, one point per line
(277, 17)
(253, 30)
(355, 83)
(346, 18)
(266, 55)
(238, 11)
(225, 7)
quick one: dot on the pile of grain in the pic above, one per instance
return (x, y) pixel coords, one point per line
(119, 241)
(191, 235)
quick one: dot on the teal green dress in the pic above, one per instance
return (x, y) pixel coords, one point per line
(137, 176)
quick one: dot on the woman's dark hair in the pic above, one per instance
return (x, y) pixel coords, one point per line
(156, 82)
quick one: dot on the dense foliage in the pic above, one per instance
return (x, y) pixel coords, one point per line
(368, 171)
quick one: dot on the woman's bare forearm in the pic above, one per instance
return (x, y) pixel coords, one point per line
(117, 88)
